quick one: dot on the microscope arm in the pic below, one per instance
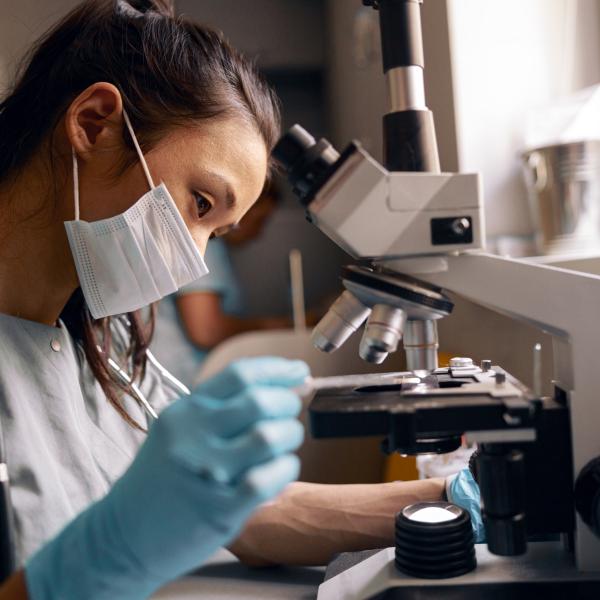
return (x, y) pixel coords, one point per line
(536, 294)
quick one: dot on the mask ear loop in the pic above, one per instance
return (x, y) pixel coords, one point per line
(75, 183)
(140, 155)
(138, 150)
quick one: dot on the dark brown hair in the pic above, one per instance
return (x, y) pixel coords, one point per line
(171, 71)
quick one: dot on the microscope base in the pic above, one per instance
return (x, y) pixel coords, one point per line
(546, 571)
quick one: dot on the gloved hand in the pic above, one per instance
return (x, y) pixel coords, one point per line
(206, 464)
(462, 490)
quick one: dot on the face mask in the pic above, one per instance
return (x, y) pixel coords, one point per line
(128, 261)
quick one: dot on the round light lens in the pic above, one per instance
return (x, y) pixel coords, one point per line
(432, 514)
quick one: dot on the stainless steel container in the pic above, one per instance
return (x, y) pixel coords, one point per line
(564, 192)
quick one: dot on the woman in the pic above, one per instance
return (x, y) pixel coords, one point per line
(85, 234)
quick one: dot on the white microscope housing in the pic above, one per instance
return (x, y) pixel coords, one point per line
(375, 214)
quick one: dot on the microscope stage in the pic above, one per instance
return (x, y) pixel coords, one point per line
(450, 400)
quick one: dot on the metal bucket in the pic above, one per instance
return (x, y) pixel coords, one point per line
(564, 196)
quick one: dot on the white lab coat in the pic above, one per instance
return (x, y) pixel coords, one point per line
(65, 444)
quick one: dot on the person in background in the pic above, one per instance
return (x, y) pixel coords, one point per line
(206, 312)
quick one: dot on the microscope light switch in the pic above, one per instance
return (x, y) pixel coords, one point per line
(451, 230)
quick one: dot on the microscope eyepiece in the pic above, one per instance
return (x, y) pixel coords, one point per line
(292, 145)
(306, 161)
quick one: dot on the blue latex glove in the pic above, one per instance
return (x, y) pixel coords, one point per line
(206, 464)
(462, 490)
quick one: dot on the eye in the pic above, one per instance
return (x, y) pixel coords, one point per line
(203, 206)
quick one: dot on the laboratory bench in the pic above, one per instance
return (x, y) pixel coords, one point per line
(223, 577)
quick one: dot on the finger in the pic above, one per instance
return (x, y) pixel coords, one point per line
(224, 460)
(266, 481)
(260, 483)
(261, 443)
(265, 371)
(227, 419)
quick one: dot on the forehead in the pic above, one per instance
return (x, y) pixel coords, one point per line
(228, 148)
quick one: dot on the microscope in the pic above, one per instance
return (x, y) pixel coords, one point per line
(417, 234)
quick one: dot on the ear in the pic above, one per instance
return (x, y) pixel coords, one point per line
(94, 119)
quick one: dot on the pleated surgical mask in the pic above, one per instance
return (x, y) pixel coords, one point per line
(128, 261)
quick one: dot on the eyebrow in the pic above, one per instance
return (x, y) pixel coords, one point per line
(230, 198)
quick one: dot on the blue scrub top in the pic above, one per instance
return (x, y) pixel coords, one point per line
(170, 344)
(65, 443)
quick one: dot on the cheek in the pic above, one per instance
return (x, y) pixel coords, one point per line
(163, 171)
(200, 234)
(170, 173)
(199, 231)
(98, 202)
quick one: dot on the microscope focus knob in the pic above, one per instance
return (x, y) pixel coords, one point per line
(587, 495)
(500, 474)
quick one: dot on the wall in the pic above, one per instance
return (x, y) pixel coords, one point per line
(279, 33)
(509, 57)
(21, 23)
(287, 39)
(356, 85)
